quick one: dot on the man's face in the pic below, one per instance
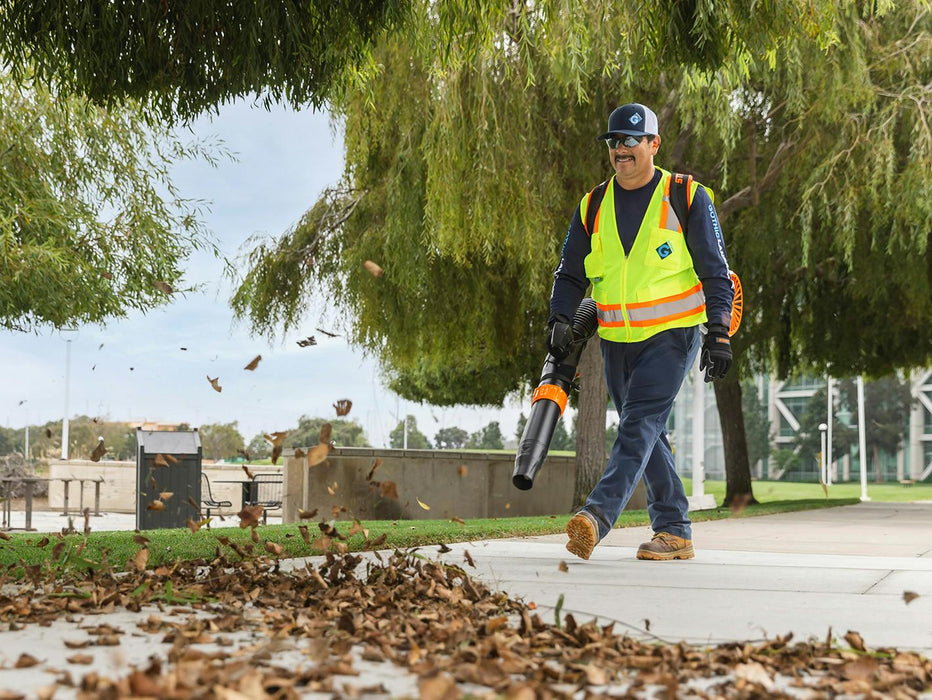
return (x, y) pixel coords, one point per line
(633, 164)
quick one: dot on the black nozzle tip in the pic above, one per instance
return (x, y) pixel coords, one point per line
(522, 482)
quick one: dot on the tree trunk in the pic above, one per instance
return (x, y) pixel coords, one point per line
(737, 468)
(590, 423)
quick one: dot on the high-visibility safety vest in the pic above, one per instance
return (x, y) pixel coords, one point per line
(654, 287)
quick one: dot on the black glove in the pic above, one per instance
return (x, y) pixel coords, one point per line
(560, 338)
(716, 353)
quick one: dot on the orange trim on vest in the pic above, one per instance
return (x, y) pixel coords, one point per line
(552, 392)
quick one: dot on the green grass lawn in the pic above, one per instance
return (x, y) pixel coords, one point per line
(789, 491)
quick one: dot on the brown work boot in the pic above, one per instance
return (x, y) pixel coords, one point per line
(583, 534)
(663, 546)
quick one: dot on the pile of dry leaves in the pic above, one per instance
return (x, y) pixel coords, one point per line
(429, 617)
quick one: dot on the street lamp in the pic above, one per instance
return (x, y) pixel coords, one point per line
(862, 439)
(68, 334)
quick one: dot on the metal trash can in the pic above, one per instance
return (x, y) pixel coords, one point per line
(167, 462)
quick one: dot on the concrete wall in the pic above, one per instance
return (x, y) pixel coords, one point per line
(431, 476)
(118, 492)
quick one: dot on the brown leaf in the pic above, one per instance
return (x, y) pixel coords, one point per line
(193, 526)
(375, 465)
(99, 451)
(462, 470)
(562, 566)
(255, 536)
(106, 275)
(276, 453)
(468, 557)
(172, 459)
(372, 268)
(343, 406)
(327, 333)
(388, 489)
(141, 559)
(299, 453)
(318, 454)
(141, 540)
(26, 661)
(80, 659)
(273, 548)
(306, 514)
(455, 519)
(4, 536)
(164, 287)
(855, 641)
(48, 432)
(909, 596)
(253, 363)
(861, 669)
(326, 431)
(249, 474)
(42, 543)
(215, 383)
(159, 460)
(166, 495)
(249, 516)
(310, 340)
(438, 686)
(244, 453)
(332, 490)
(305, 535)
(156, 505)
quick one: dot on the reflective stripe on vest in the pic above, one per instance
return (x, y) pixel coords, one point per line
(610, 315)
(666, 309)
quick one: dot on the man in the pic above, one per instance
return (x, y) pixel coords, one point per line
(653, 286)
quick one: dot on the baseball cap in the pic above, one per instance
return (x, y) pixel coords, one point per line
(632, 119)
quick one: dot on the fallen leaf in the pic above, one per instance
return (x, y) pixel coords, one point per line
(164, 287)
(372, 268)
(437, 686)
(26, 661)
(42, 543)
(861, 669)
(273, 548)
(81, 659)
(422, 504)
(455, 519)
(141, 540)
(305, 535)
(249, 474)
(156, 505)
(855, 640)
(343, 406)
(253, 363)
(306, 514)
(141, 559)
(99, 451)
(106, 275)
(215, 383)
(562, 566)
(375, 465)
(462, 470)
(192, 525)
(310, 340)
(909, 596)
(443, 549)
(468, 557)
(754, 673)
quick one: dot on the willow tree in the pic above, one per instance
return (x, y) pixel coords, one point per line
(90, 223)
(467, 154)
(179, 59)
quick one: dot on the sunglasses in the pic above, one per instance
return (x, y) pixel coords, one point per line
(626, 141)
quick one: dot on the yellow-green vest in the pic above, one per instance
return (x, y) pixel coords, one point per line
(654, 287)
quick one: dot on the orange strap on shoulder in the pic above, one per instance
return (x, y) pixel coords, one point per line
(552, 392)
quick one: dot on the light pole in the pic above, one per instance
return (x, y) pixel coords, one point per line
(68, 334)
(822, 465)
(828, 437)
(862, 439)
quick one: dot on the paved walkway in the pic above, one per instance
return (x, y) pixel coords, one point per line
(841, 568)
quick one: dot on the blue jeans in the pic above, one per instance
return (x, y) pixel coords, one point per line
(643, 380)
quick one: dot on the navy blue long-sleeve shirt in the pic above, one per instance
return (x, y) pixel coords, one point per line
(704, 241)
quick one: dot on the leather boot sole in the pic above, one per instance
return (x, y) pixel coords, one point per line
(582, 536)
(685, 553)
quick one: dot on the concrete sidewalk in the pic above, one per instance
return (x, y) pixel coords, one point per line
(843, 568)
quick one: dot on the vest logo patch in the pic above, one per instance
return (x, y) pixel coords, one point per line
(664, 250)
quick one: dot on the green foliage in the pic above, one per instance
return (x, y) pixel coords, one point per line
(416, 440)
(220, 440)
(488, 438)
(522, 424)
(183, 58)
(259, 447)
(345, 433)
(90, 223)
(562, 440)
(452, 438)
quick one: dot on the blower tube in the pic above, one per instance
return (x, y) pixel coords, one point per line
(549, 399)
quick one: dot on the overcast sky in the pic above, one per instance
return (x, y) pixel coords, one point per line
(135, 369)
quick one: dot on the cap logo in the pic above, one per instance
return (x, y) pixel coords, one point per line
(635, 118)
